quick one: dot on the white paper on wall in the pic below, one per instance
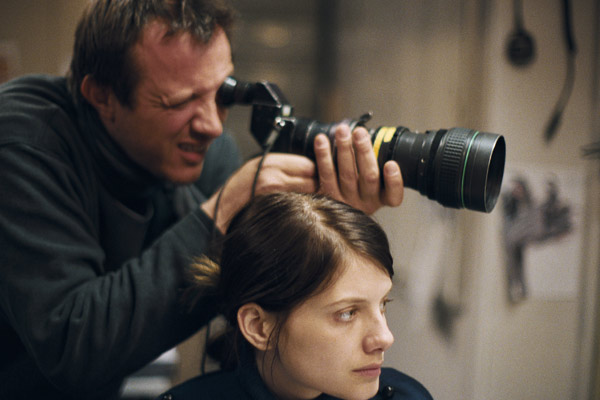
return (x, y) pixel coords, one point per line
(542, 209)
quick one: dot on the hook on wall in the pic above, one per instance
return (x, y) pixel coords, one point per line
(520, 46)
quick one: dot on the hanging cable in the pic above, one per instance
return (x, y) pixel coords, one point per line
(279, 124)
(555, 118)
(274, 135)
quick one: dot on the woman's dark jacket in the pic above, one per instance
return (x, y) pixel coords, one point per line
(245, 383)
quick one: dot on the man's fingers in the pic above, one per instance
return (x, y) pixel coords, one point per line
(368, 170)
(290, 163)
(354, 177)
(393, 194)
(328, 180)
(287, 172)
(346, 163)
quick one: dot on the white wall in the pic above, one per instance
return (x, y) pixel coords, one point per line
(532, 350)
(442, 64)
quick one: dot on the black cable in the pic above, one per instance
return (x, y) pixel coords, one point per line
(518, 13)
(568, 27)
(269, 145)
(555, 119)
(213, 236)
(270, 142)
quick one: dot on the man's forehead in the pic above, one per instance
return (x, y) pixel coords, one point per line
(157, 35)
(165, 49)
(159, 31)
(175, 66)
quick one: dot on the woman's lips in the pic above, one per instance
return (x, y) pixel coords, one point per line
(371, 371)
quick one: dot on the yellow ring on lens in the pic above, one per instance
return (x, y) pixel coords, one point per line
(384, 134)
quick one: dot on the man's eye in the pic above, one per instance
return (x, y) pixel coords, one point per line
(177, 106)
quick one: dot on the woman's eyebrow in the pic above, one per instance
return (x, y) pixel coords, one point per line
(355, 300)
(348, 300)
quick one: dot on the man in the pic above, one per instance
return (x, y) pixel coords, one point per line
(110, 186)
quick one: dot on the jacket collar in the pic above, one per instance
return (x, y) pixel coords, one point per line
(123, 177)
(251, 381)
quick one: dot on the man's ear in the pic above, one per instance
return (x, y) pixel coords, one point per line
(100, 97)
(256, 325)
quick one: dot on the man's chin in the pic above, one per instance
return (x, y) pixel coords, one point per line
(183, 177)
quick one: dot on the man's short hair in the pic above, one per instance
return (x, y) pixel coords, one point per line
(109, 29)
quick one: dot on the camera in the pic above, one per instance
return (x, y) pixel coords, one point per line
(457, 167)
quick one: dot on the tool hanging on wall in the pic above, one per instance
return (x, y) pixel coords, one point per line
(520, 47)
(521, 52)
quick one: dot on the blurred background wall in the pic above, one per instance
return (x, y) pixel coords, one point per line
(426, 65)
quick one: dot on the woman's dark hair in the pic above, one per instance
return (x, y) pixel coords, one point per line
(108, 30)
(283, 248)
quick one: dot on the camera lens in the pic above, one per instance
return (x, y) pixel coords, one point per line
(458, 167)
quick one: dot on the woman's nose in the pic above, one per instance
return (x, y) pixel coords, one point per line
(379, 338)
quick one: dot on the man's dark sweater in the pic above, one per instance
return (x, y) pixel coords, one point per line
(93, 249)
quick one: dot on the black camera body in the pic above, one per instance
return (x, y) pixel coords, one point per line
(457, 167)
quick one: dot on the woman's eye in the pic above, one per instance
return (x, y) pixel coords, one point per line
(383, 305)
(346, 316)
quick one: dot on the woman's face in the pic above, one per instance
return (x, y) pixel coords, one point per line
(334, 342)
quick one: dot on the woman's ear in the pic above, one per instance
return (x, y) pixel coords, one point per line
(100, 97)
(256, 325)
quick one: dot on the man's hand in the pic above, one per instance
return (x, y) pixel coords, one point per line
(279, 172)
(356, 180)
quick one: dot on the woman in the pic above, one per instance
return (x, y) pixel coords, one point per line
(303, 282)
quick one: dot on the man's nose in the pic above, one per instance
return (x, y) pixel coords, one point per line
(207, 120)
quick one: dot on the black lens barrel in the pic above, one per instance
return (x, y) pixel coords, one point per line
(458, 167)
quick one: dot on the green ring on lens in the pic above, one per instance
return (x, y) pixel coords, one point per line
(462, 183)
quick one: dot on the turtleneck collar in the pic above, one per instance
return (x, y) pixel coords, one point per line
(249, 377)
(123, 178)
